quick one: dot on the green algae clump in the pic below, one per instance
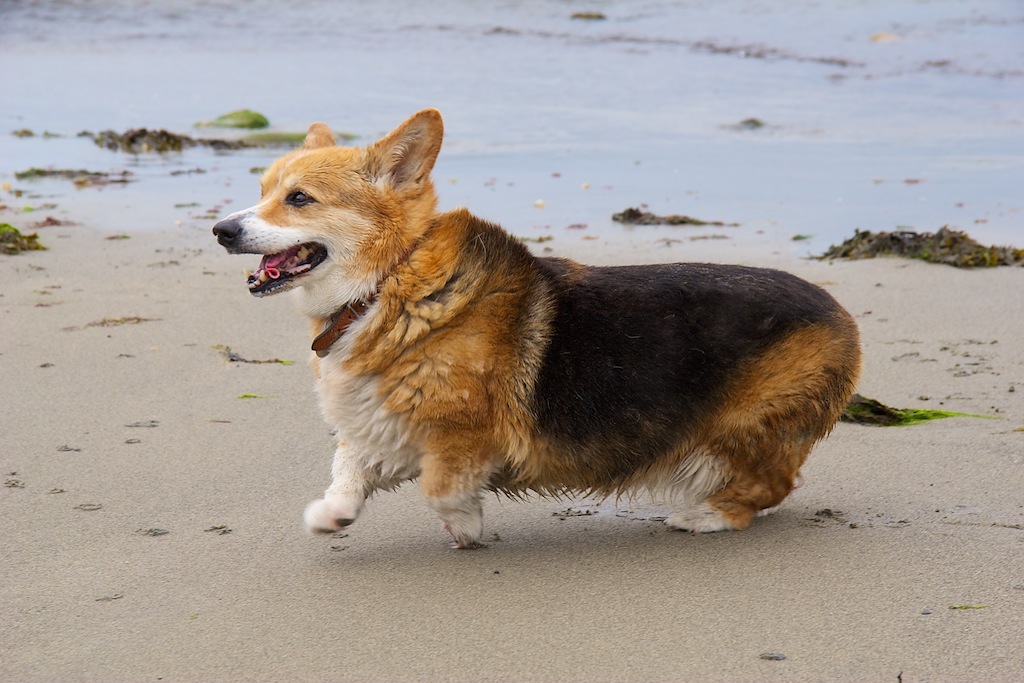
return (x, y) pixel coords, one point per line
(240, 118)
(13, 242)
(868, 411)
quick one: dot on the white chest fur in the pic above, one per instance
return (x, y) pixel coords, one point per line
(375, 438)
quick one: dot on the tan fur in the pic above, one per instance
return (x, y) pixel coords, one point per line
(450, 366)
(779, 408)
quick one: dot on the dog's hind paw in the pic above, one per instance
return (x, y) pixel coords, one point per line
(327, 516)
(463, 541)
(462, 515)
(700, 519)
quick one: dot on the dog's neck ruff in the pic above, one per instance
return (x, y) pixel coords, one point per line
(339, 324)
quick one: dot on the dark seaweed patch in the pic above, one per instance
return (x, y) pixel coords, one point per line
(80, 177)
(634, 216)
(233, 357)
(951, 247)
(144, 140)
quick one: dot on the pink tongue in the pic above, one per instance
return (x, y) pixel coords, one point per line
(273, 260)
(270, 263)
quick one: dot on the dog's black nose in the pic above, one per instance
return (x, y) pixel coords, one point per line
(227, 231)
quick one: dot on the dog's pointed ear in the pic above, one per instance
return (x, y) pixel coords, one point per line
(407, 154)
(318, 135)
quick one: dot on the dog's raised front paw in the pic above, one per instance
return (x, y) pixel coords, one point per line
(325, 516)
(700, 519)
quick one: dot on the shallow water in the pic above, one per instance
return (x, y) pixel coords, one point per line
(878, 113)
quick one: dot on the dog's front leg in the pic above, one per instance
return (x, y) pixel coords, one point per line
(454, 472)
(344, 498)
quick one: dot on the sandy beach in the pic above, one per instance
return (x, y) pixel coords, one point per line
(154, 483)
(151, 516)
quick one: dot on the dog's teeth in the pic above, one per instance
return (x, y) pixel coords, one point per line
(248, 274)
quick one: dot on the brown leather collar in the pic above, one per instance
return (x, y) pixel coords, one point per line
(339, 324)
(350, 313)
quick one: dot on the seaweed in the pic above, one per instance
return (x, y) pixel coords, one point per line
(12, 241)
(233, 357)
(863, 410)
(117, 322)
(145, 140)
(634, 216)
(50, 222)
(240, 118)
(80, 177)
(140, 140)
(748, 124)
(950, 247)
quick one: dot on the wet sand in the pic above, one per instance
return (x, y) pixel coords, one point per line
(152, 518)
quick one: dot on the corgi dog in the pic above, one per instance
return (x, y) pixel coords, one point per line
(445, 351)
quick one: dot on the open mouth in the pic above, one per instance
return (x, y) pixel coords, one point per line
(277, 270)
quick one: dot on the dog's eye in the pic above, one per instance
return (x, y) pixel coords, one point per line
(298, 198)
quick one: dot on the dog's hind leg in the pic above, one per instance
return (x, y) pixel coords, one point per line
(454, 472)
(758, 482)
(733, 507)
(778, 407)
(344, 498)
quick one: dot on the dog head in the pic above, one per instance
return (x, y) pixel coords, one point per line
(334, 220)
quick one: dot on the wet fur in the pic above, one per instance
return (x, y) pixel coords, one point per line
(481, 366)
